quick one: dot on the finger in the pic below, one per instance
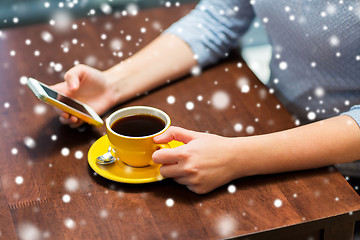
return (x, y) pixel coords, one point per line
(191, 188)
(182, 180)
(77, 124)
(176, 133)
(63, 120)
(170, 171)
(65, 115)
(73, 76)
(73, 119)
(61, 87)
(169, 155)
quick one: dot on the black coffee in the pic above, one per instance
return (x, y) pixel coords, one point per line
(138, 125)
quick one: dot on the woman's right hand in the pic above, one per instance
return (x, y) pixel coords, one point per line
(167, 57)
(88, 85)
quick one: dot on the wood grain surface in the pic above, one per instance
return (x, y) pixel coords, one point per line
(36, 173)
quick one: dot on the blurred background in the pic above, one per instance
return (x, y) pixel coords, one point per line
(23, 12)
(255, 47)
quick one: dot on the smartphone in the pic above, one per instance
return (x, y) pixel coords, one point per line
(66, 104)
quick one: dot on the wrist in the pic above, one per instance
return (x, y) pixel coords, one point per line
(247, 154)
(119, 84)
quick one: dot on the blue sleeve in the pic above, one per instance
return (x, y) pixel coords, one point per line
(213, 28)
(354, 112)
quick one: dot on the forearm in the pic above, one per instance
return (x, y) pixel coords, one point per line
(323, 143)
(166, 58)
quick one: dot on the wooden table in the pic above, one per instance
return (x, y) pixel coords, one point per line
(48, 190)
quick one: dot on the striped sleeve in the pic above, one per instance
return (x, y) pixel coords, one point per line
(213, 28)
(354, 113)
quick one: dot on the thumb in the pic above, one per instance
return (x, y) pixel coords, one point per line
(73, 76)
(62, 88)
(176, 133)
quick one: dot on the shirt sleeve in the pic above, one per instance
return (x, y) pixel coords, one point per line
(213, 28)
(354, 113)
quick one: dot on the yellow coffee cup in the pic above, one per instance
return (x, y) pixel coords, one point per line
(131, 131)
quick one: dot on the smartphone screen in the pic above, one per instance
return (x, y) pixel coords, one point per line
(65, 100)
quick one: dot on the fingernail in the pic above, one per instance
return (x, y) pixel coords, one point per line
(65, 115)
(154, 156)
(156, 138)
(74, 119)
(73, 85)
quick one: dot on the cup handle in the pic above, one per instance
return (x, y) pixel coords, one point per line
(159, 146)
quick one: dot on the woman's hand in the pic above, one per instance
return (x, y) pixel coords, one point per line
(204, 163)
(89, 86)
(167, 57)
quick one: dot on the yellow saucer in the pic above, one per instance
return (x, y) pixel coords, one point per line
(119, 171)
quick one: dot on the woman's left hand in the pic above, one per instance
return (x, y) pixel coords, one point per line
(204, 163)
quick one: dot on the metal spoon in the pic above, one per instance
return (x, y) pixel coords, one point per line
(106, 158)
